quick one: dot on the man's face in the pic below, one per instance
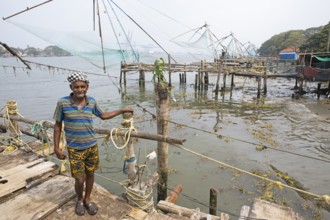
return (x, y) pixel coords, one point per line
(79, 89)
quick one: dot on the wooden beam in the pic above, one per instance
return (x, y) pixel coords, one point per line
(137, 134)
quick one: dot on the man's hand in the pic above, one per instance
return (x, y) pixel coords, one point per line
(127, 110)
(60, 154)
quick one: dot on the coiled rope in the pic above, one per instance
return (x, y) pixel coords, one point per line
(38, 128)
(128, 127)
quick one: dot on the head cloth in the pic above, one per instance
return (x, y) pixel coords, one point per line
(77, 76)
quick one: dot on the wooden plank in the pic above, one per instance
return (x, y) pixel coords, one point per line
(18, 177)
(39, 201)
(172, 208)
(137, 214)
(266, 210)
(110, 207)
(156, 216)
(244, 212)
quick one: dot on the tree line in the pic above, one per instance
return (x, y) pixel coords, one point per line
(312, 39)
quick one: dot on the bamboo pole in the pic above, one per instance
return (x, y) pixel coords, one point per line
(137, 134)
(162, 102)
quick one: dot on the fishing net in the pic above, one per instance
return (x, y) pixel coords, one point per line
(202, 47)
(85, 45)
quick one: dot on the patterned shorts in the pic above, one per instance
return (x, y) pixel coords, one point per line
(82, 161)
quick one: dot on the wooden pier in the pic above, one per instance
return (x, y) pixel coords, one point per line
(261, 69)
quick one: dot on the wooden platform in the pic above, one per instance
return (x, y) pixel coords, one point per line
(32, 188)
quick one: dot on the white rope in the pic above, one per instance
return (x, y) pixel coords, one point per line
(127, 134)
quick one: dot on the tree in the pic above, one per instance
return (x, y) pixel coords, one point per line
(317, 42)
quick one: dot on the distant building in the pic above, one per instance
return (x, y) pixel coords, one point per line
(289, 53)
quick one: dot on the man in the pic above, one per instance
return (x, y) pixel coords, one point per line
(76, 111)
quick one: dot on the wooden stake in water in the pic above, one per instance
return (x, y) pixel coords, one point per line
(162, 108)
(213, 201)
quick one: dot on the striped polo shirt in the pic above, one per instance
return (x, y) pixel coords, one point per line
(78, 124)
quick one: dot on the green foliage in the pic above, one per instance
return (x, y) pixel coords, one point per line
(315, 39)
(281, 41)
(318, 41)
(158, 73)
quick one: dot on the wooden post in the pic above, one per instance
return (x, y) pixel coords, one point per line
(259, 85)
(12, 110)
(224, 82)
(265, 81)
(180, 78)
(169, 71)
(162, 102)
(141, 78)
(232, 81)
(296, 84)
(301, 85)
(196, 81)
(218, 78)
(200, 77)
(213, 201)
(130, 155)
(121, 72)
(206, 80)
(318, 90)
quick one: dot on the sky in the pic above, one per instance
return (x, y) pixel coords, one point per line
(253, 21)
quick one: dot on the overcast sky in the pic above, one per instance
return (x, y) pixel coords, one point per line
(252, 21)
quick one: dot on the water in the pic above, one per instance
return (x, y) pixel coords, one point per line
(278, 121)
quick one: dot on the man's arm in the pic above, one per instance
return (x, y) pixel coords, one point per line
(57, 134)
(108, 115)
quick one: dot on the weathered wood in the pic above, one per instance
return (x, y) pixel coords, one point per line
(130, 155)
(213, 201)
(224, 216)
(17, 177)
(259, 86)
(172, 208)
(266, 210)
(162, 108)
(156, 216)
(24, 130)
(244, 214)
(174, 194)
(137, 134)
(39, 201)
(265, 82)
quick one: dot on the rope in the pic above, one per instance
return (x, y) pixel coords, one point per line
(39, 128)
(142, 199)
(127, 136)
(326, 198)
(10, 148)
